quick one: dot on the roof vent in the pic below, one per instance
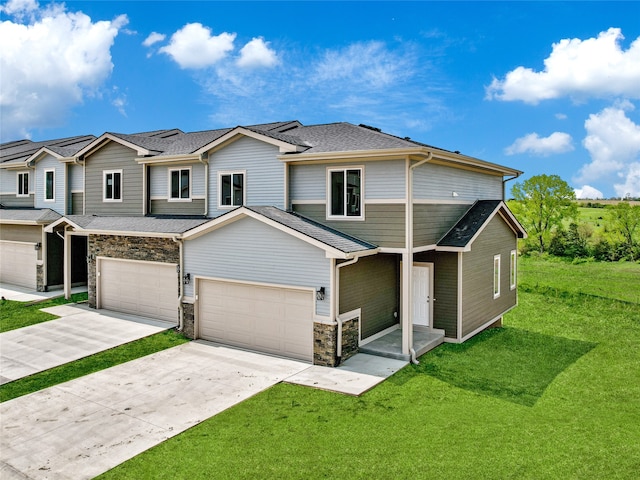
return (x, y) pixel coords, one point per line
(370, 127)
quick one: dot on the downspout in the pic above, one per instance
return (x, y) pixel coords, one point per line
(504, 185)
(204, 159)
(407, 330)
(336, 302)
(180, 279)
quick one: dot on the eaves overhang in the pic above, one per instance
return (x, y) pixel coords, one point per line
(104, 139)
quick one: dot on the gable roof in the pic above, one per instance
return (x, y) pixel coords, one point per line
(335, 243)
(16, 154)
(468, 228)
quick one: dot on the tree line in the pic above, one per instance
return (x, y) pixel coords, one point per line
(546, 206)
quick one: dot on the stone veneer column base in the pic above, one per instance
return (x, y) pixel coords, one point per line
(325, 345)
(40, 286)
(188, 320)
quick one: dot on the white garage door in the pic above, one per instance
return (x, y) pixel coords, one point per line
(148, 289)
(266, 319)
(18, 264)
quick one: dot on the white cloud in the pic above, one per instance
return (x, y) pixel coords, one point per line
(50, 64)
(561, 116)
(153, 38)
(194, 47)
(631, 185)
(257, 53)
(19, 8)
(595, 67)
(557, 142)
(588, 192)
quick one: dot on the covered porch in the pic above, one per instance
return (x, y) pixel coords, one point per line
(390, 345)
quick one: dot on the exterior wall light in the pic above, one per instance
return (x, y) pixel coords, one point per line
(37, 246)
(320, 293)
(187, 278)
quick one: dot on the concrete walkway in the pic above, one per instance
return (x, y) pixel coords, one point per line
(22, 294)
(80, 332)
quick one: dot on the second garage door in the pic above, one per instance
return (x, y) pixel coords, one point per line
(267, 319)
(148, 289)
(18, 262)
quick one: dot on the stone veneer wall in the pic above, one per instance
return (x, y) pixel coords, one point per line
(130, 248)
(40, 286)
(325, 342)
(188, 320)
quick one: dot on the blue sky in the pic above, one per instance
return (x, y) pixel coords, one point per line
(544, 87)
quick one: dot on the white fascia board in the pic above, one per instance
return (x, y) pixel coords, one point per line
(49, 228)
(384, 154)
(510, 217)
(104, 139)
(126, 233)
(230, 136)
(44, 150)
(6, 221)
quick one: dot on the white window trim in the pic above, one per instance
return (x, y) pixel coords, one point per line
(53, 189)
(362, 200)
(513, 269)
(244, 188)
(19, 183)
(104, 186)
(496, 291)
(190, 197)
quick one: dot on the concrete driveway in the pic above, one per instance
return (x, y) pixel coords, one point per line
(87, 426)
(80, 332)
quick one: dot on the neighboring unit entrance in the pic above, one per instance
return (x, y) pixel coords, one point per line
(148, 289)
(421, 294)
(18, 260)
(256, 317)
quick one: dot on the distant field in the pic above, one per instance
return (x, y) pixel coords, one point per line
(607, 202)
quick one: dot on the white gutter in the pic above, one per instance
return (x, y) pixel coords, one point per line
(335, 307)
(180, 279)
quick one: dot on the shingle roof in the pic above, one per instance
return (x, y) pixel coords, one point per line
(329, 236)
(36, 215)
(470, 223)
(168, 225)
(19, 151)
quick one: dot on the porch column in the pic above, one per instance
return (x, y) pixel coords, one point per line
(407, 303)
(66, 271)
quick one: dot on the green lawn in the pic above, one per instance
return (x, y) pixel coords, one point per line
(552, 395)
(22, 314)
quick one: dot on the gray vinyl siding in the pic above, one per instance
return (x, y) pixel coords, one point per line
(433, 221)
(264, 173)
(383, 224)
(48, 162)
(159, 180)
(248, 250)
(478, 304)
(8, 182)
(373, 285)
(10, 200)
(21, 233)
(164, 207)
(382, 180)
(438, 182)
(76, 178)
(445, 289)
(113, 156)
(77, 203)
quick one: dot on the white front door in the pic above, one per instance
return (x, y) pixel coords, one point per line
(421, 295)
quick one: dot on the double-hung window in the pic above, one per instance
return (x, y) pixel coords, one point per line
(23, 184)
(49, 185)
(231, 189)
(112, 186)
(180, 184)
(345, 193)
(496, 276)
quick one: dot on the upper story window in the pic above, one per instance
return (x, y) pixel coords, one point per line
(180, 184)
(23, 184)
(112, 186)
(49, 185)
(231, 189)
(345, 193)
(496, 276)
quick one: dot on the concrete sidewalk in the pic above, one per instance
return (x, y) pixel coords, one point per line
(21, 294)
(80, 332)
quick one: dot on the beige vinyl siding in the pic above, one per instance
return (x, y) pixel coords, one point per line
(431, 221)
(478, 304)
(383, 224)
(10, 200)
(438, 182)
(372, 284)
(21, 233)
(383, 179)
(248, 250)
(111, 157)
(445, 289)
(164, 207)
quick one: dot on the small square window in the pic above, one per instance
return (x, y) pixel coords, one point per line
(112, 186)
(180, 184)
(232, 189)
(23, 184)
(49, 185)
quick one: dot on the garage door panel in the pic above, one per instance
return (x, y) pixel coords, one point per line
(268, 319)
(140, 288)
(18, 264)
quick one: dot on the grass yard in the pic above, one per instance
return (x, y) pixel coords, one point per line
(555, 394)
(22, 314)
